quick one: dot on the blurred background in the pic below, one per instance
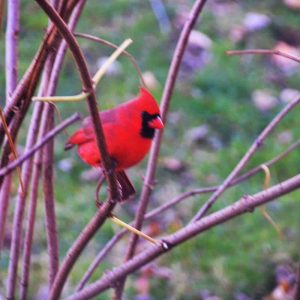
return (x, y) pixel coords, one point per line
(219, 106)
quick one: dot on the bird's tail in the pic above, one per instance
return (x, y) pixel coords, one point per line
(126, 187)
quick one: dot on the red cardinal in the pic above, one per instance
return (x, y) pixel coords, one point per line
(128, 128)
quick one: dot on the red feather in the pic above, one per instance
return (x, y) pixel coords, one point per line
(128, 130)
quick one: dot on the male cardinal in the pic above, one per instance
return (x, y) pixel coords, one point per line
(129, 129)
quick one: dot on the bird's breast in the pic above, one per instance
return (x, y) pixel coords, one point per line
(127, 147)
(125, 144)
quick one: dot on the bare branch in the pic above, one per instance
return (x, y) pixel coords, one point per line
(263, 52)
(184, 196)
(297, 289)
(254, 147)
(166, 98)
(1, 13)
(245, 205)
(11, 42)
(88, 232)
(101, 255)
(48, 86)
(48, 187)
(19, 209)
(4, 202)
(268, 163)
(125, 53)
(88, 87)
(21, 98)
(47, 125)
(11, 146)
(28, 239)
(50, 135)
(105, 209)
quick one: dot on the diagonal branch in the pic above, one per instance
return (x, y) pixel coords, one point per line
(245, 205)
(18, 106)
(254, 147)
(264, 52)
(171, 203)
(166, 98)
(88, 87)
(50, 135)
(108, 206)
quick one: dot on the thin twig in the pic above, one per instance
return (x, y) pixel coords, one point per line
(23, 93)
(1, 13)
(164, 107)
(245, 205)
(19, 209)
(4, 203)
(48, 187)
(88, 87)
(101, 255)
(96, 78)
(73, 253)
(254, 147)
(28, 239)
(50, 135)
(297, 284)
(268, 163)
(263, 52)
(107, 207)
(48, 182)
(20, 102)
(29, 79)
(48, 85)
(12, 147)
(131, 229)
(11, 42)
(125, 53)
(11, 70)
(9, 146)
(161, 15)
(263, 207)
(184, 196)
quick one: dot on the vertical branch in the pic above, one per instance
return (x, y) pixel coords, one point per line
(48, 124)
(11, 75)
(48, 85)
(1, 13)
(104, 211)
(11, 49)
(297, 284)
(36, 173)
(88, 87)
(24, 92)
(21, 98)
(167, 94)
(20, 207)
(4, 200)
(48, 182)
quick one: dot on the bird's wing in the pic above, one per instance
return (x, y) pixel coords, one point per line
(108, 117)
(86, 133)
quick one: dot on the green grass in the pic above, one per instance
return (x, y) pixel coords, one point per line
(239, 256)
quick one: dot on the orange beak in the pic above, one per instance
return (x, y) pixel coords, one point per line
(156, 123)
